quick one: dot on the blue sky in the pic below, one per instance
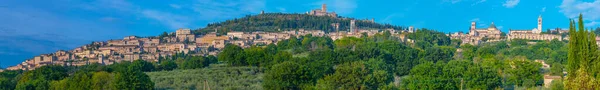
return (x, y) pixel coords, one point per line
(32, 27)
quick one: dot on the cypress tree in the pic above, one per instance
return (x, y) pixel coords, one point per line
(583, 43)
(593, 49)
(572, 62)
(581, 58)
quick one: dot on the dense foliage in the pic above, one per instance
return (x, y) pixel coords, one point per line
(94, 76)
(123, 75)
(583, 65)
(382, 61)
(273, 22)
(215, 77)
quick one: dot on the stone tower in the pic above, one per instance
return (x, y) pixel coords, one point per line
(352, 26)
(411, 29)
(101, 59)
(539, 27)
(473, 26)
(472, 29)
(324, 7)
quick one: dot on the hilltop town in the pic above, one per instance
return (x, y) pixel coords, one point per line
(186, 41)
(192, 42)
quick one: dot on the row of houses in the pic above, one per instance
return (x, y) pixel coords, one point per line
(132, 48)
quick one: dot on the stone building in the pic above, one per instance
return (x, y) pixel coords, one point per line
(212, 40)
(558, 31)
(478, 35)
(534, 34)
(184, 34)
(490, 32)
(322, 12)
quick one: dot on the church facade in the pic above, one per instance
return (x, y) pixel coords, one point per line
(534, 34)
(478, 35)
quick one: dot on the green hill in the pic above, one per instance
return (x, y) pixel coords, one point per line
(272, 22)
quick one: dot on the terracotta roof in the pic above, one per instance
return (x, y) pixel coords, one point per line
(552, 77)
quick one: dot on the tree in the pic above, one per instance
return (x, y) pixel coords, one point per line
(468, 51)
(582, 58)
(482, 77)
(102, 80)
(132, 78)
(524, 73)
(256, 56)
(456, 43)
(233, 55)
(168, 65)
(287, 75)
(518, 42)
(439, 54)
(80, 80)
(6, 84)
(39, 79)
(556, 69)
(429, 37)
(424, 76)
(143, 65)
(281, 57)
(194, 62)
(354, 75)
(8, 79)
(557, 85)
(456, 74)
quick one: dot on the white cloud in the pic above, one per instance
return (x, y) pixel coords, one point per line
(388, 19)
(338, 6)
(511, 3)
(543, 9)
(479, 22)
(590, 10)
(453, 1)
(478, 2)
(591, 23)
(475, 20)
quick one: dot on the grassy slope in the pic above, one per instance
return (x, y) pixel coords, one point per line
(218, 77)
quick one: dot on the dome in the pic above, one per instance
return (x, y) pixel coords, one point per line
(492, 25)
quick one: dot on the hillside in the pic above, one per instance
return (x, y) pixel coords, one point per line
(369, 62)
(271, 22)
(216, 77)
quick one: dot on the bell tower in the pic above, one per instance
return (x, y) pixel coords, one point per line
(324, 7)
(472, 29)
(472, 26)
(539, 27)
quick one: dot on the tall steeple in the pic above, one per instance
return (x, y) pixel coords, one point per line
(324, 7)
(472, 29)
(472, 26)
(539, 27)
